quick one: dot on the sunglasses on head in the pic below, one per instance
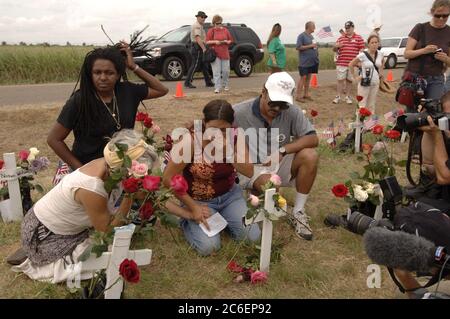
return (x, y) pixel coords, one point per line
(441, 16)
(278, 104)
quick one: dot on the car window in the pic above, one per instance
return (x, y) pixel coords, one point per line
(388, 43)
(175, 35)
(403, 44)
(246, 35)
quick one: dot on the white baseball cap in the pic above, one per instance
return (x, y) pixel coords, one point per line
(280, 87)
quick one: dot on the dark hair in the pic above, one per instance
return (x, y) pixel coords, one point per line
(87, 101)
(218, 110)
(276, 31)
(373, 36)
(308, 24)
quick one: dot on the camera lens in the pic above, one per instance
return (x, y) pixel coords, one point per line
(358, 223)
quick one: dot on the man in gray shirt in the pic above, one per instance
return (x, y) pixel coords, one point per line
(274, 116)
(308, 56)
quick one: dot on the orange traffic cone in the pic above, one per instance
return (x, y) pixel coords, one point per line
(179, 91)
(390, 76)
(314, 83)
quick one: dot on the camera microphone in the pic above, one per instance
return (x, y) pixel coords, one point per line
(397, 249)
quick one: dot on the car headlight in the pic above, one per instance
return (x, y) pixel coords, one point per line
(155, 52)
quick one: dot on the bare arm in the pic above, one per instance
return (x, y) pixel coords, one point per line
(411, 53)
(307, 141)
(352, 66)
(200, 43)
(155, 87)
(55, 140)
(245, 168)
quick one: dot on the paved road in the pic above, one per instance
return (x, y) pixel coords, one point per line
(58, 93)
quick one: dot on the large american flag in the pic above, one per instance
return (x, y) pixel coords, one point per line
(325, 32)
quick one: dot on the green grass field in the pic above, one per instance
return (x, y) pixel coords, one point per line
(56, 64)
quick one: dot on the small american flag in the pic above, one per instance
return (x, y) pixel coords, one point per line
(391, 116)
(325, 32)
(62, 170)
(370, 123)
(341, 127)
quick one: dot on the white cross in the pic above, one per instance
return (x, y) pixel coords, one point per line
(357, 125)
(11, 209)
(267, 228)
(112, 260)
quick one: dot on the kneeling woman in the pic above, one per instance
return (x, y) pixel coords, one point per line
(56, 229)
(212, 182)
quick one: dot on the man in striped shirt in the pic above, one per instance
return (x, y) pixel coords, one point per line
(348, 46)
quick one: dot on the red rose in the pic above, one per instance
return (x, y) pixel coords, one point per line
(168, 143)
(359, 98)
(400, 112)
(378, 129)
(130, 185)
(364, 112)
(129, 270)
(2, 163)
(151, 183)
(340, 190)
(23, 155)
(234, 267)
(392, 134)
(148, 122)
(179, 185)
(141, 117)
(314, 113)
(146, 211)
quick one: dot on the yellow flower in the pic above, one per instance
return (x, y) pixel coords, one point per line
(282, 201)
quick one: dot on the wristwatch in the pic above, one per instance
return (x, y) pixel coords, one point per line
(282, 151)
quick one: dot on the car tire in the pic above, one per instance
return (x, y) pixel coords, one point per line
(243, 66)
(173, 69)
(391, 62)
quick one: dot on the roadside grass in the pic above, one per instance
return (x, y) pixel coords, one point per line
(333, 265)
(57, 64)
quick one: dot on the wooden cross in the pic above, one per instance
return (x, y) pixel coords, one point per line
(11, 208)
(267, 228)
(357, 125)
(112, 260)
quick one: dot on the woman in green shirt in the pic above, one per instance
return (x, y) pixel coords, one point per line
(277, 51)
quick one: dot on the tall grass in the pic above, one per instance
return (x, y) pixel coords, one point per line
(39, 64)
(46, 64)
(326, 56)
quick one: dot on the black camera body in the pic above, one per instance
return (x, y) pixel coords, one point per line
(433, 108)
(366, 81)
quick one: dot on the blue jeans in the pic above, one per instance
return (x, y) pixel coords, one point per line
(233, 207)
(221, 73)
(435, 87)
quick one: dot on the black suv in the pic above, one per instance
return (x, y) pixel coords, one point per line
(170, 54)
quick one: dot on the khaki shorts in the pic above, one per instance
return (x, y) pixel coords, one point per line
(283, 170)
(343, 73)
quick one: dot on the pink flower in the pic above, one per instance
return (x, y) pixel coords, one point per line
(156, 129)
(258, 277)
(179, 185)
(254, 200)
(139, 170)
(23, 155)
(276, 180)
(151, 183)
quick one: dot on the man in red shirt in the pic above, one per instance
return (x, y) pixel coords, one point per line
(347, 46)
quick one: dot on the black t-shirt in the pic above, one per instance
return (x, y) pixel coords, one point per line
(90, 147)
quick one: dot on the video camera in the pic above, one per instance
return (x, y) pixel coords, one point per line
(433, 108)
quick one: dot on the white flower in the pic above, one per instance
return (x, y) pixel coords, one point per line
(360, 194)
(33, 152)
(370, 188)
(378, 147)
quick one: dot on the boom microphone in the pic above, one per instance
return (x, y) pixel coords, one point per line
(397, 249)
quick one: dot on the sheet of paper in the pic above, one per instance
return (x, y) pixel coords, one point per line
(216, 224)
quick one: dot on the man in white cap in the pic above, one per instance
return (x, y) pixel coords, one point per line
(376, 30)
(275, 117)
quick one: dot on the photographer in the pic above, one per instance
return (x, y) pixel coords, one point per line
(427, 51)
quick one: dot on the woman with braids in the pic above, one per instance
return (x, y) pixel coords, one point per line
(102, 106)
(211, 178)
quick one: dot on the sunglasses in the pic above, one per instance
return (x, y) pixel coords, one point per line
(441, 16)
(278, 104)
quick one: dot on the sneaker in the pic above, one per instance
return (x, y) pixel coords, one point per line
(17, 258)
(189, 86)
(226, 89)
(337, 99)
(301, 225)
(348, 100)
(216, 91)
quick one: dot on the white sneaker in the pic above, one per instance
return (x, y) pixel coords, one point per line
(226, 89)
(301, 225)
(337, 99)
(216, 91)
(348, 100)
